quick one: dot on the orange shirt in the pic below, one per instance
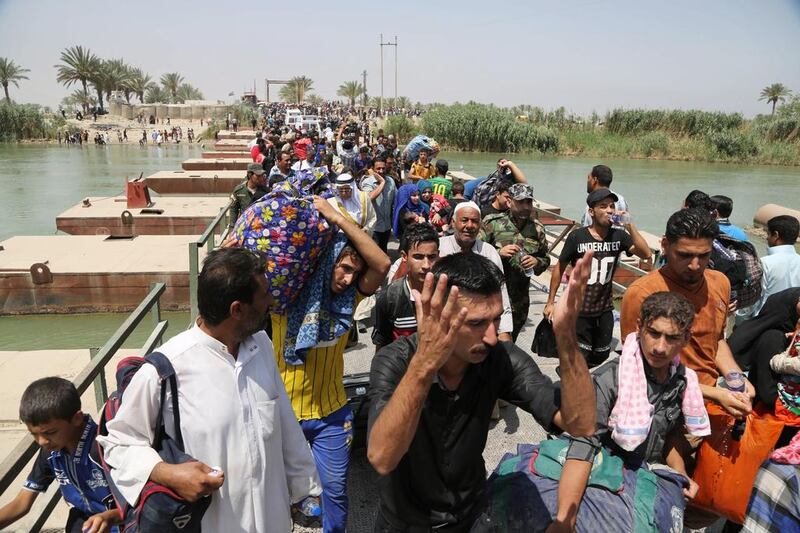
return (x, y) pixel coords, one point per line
(710, 301)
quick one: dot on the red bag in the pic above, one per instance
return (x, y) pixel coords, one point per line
(726, 469)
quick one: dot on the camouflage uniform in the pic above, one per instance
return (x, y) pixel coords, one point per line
(499, 230)
(242, 198)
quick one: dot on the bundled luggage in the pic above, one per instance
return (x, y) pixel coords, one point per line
(411, 151)
(285, 228)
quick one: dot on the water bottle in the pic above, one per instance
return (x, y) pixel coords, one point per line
(310, 507)
(528, 271)
(734, 381)
(621, 218)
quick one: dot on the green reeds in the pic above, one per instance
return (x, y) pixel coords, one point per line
(27, 121)
(485, 128)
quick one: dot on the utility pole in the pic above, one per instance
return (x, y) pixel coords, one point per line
(364, 99)
(382, 44)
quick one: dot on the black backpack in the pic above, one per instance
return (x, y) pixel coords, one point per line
(739, 261)
(159, 509)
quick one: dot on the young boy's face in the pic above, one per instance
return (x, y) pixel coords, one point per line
(58, 434)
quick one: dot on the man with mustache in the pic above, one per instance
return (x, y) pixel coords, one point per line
(466, 226)
(432, 394)
(687, 247)
(522, 245)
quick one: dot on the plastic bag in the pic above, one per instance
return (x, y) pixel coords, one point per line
(726, 468)
(544, 340)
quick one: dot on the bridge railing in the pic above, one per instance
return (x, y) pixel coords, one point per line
(92, 373)
(215, 233)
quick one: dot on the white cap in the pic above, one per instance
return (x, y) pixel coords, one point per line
(465, 205)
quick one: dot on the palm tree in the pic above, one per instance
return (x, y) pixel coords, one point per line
(403, 102)
(78, 64)
(777, 92)
(314, 99)
(101, 80)
(188, 92)
(171, 81)
(295, 91)
(156, 94)
(10, 72)
(116, 75)
(350, 90)
(140, 83)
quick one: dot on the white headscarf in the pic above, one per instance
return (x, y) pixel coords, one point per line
(353, 204)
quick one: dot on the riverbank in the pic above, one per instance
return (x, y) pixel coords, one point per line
(668, 135)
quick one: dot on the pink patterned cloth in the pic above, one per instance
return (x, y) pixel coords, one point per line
(789, 454)
(632, 414)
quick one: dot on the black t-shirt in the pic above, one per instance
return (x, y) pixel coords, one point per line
(395, 315)
(442, 476)
(489, 209)
(598, 294)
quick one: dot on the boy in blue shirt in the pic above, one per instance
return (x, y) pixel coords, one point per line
(51, 408)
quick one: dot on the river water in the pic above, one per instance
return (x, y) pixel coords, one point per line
(39, 182)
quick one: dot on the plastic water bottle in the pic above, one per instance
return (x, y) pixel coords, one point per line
(621, 218)
(528, 271)
(734, 381)
(310, 507)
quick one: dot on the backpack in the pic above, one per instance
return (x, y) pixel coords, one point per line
(739, 261)
(159, 509)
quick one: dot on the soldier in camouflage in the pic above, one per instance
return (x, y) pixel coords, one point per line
(522, 246)
(251, 189)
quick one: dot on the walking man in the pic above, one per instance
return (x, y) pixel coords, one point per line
(235, 415)
(354, 269)
(522, 246)
(250, 190)
(687, 246)
(432, 394)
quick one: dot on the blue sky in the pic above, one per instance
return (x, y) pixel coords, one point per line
(585, 55)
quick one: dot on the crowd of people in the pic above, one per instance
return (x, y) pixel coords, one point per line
(262, 403)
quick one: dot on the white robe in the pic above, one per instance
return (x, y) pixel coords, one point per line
(235, 415)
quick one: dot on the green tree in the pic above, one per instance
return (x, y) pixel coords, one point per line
(772, 94)
(10, 72)
(295, 91)
(103, 80)
(116, 76)
(139, 83)
(77, 64)
(314, 99)
(156, 94)
(403, 102)
(78, 98)
(188, 92)
(351, 90)
(171, 81)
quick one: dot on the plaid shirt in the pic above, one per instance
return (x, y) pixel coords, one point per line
(775, 501)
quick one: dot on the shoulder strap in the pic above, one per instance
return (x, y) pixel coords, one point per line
(166, 374)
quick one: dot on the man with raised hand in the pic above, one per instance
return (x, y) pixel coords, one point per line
(432, 394)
